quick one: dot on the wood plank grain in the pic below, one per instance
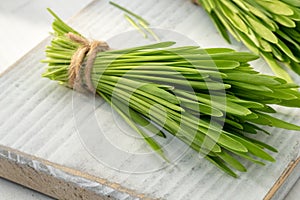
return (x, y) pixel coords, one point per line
(58, 181)
(38, 118)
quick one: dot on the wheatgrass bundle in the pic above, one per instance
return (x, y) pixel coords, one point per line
(210, 99)
(270, 28)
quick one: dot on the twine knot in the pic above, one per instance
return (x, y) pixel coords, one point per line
(79, 70)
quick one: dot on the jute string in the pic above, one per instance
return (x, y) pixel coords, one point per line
(196, 2)
(88, 49)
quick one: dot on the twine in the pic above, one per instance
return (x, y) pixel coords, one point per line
(88, 49)
(196, 2)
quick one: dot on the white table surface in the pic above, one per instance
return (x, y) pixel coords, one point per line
(23, 25)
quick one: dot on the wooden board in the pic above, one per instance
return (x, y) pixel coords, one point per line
(66, 146)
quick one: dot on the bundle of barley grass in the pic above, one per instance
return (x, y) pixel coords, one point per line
(210, 99)
(270, 28)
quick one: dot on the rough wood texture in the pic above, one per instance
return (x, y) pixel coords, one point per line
(40, 118)
(58, 181)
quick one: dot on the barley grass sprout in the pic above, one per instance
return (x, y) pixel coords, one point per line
(268, 28)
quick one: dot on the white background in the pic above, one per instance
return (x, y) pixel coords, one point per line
(23, 25)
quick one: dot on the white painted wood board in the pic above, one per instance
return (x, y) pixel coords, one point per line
(37, 118)
(25, 23)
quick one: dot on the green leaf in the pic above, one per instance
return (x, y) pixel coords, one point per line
(261, 30)
(262, 144)
(135, 25)
(224, 140)
(279, 123)
(246, 156)
(137, 118)
(232, 15)
(129, 12)
(260, 120)
(276, 7)
(199, 142)
(285, 21)
(220, 164)
(253, 148)
(249, 43)
(232, 161)
(276, 68)
(265, 45)
(248, 86)
(235, 56)
(245, 103)
(218, 102)
(249, 128)
(201, 108)
(219, 25)
(234, 123)
(287, 51)
(219, 50)
(295, 3)
(255, 79)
